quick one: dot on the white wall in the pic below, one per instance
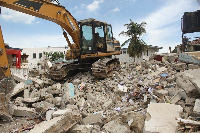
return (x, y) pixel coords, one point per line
(32, 62)
(124, 57)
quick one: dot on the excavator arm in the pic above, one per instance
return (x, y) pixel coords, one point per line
(45, 9)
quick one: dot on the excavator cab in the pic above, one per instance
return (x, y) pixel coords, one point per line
(95, 37)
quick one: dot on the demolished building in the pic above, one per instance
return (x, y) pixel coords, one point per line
(149, 96)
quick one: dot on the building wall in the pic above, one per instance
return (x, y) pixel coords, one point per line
(33, 61)
(124, 57)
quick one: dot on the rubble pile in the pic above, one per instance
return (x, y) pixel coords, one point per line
(138, 97)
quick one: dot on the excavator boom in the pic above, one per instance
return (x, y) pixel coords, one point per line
(4, 67)
(45, 9)
(92, 39)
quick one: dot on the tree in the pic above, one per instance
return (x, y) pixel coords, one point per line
(54, 55)
(136, 45)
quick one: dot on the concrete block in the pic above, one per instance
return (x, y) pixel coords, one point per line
(135, 120)
(193, 66)
(58, 101)
(175, 98)
(90, 97)
(160, 93)
(107, 104)
(80, 128)
(187, 86)
(39, 82)
(60, 112)
(49, 115)
(162, 118)
(19, 101)
(26, 93)
(196, 83)
(180, 66)
(18, 88)
(42, 106)
(58, 124)
(122, 88)
(197, 106)
(76, 82)
(57, 86)
(92, 119)
(196, 109)
(116, 127)
(31, 100)
(182, 93)
(23, 111)
(42, 92)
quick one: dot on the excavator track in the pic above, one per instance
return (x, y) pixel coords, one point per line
(64, 70)
(103, 68)
(61, 71)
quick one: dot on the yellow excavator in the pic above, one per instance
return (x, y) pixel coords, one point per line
(92, 39)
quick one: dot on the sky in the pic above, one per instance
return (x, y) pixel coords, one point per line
(163, 18)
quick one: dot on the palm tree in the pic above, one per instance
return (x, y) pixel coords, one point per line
(136, 45)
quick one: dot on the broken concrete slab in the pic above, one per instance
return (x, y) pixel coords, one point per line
(92, 119)
(58, 101)
(79, 128)
(116, 127)
(38, 81)
(196, 83)
(90, 97)
(107, 104)
(173, 91)
(23, 111)
(160, 93)
(57, 86)
(26, 93)
(58, 124)
(175, 98)
(122, 88)
(193, 66)
(197, 106)
(49, 114)
(42, 106)
(180, 66)
(60, 112)
(31, 100)
(18, 88)
(162, 117)
(187, 86)
(196, 109)
(135, 120)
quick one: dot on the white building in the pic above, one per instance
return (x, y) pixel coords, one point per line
(124, 57)
(36, 54)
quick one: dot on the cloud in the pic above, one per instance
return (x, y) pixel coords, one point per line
(115, 10)
(34, 41)
(165, 23)
(94, 6)
(15, 16)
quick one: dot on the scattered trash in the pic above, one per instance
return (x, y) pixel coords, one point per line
(81, 86)
(132, 89)
(71, 90)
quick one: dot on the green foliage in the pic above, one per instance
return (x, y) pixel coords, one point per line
(135, 49)
(175, 50)
(136, 45)
(54, 55)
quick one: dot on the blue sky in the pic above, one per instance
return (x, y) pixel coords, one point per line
(163, 18)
